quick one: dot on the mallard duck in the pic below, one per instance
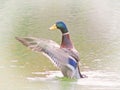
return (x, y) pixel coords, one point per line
(64, 56)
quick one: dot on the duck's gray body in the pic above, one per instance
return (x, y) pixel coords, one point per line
(66, 60)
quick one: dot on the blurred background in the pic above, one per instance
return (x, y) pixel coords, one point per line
(94, 26)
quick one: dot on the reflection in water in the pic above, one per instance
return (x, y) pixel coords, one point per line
(94, 27)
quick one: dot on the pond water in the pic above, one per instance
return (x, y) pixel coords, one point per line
(94, 26)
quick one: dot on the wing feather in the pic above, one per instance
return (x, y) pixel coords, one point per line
(49, 48)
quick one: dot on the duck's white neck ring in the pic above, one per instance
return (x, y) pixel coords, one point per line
(65, 33)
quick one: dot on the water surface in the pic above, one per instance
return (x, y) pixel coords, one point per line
(94, 28)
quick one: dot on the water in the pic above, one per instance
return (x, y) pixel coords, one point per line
(94, 28)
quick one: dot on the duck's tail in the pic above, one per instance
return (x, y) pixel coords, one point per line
(81, 75)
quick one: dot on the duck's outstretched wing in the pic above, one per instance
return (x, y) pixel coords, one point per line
(63, 60)
(50, 48)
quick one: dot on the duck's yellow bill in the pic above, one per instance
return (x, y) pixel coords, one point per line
(53, 27)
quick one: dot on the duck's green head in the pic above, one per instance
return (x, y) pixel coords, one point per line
(59, 25)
